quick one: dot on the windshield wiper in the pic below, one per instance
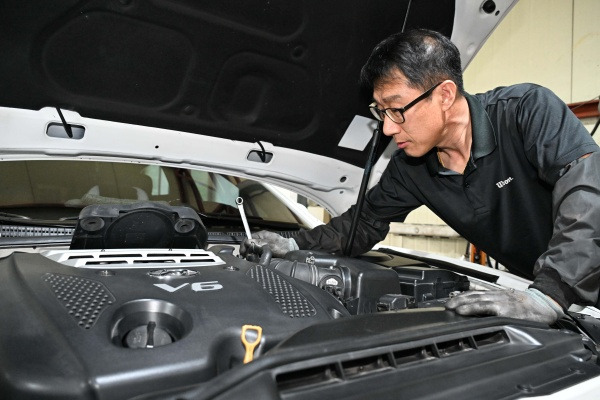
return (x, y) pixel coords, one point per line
(24, 220)
(11, 215)
(29, 241)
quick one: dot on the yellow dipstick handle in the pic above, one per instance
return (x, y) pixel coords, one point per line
(251, 335)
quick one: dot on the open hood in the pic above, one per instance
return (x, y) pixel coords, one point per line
(212, 84)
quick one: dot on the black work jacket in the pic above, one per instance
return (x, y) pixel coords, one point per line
(523, 138)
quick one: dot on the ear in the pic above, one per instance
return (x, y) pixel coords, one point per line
(448, 91)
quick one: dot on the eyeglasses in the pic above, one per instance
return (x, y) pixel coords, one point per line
(397, 114)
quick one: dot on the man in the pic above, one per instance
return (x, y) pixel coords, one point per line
(512, 170)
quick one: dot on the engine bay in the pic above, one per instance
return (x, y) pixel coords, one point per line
(106, 319)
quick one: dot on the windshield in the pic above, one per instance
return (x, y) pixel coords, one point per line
(58, 190)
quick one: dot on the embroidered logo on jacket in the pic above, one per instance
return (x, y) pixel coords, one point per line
(505, 182)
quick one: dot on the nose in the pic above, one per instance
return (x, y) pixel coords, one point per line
(390, 128)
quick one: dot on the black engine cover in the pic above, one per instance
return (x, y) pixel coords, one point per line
(116, 333)
(139, 225)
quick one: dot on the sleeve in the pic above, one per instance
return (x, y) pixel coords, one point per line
(552, 135)
(569, 270)
(388, 201)
(333, 236)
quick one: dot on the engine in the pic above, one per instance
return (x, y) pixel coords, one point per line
(129, 319)
(110, 319)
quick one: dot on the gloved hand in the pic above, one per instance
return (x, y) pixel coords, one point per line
(277, 243)
(531, 304)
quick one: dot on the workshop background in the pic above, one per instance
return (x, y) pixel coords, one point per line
(554, 43)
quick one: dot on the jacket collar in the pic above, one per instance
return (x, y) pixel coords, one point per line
(484, 137)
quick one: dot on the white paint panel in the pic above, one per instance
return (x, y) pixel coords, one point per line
(586, 50)
(358, 134)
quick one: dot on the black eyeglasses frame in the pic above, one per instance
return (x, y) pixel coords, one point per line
(397, 114)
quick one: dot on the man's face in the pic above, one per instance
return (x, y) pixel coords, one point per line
(422, 129)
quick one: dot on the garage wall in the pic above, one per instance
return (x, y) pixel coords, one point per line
(554, 43)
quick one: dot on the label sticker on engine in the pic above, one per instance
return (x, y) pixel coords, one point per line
(196, 286)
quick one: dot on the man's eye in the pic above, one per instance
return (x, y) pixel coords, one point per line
(395, 112)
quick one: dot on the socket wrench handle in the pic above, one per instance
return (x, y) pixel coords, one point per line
(240, 203)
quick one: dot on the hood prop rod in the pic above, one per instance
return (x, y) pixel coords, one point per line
(363, 188)
(64, 123)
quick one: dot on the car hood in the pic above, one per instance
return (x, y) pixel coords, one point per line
(264, 89)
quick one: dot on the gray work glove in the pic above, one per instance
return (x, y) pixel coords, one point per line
(277, 243)
(531, 304)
